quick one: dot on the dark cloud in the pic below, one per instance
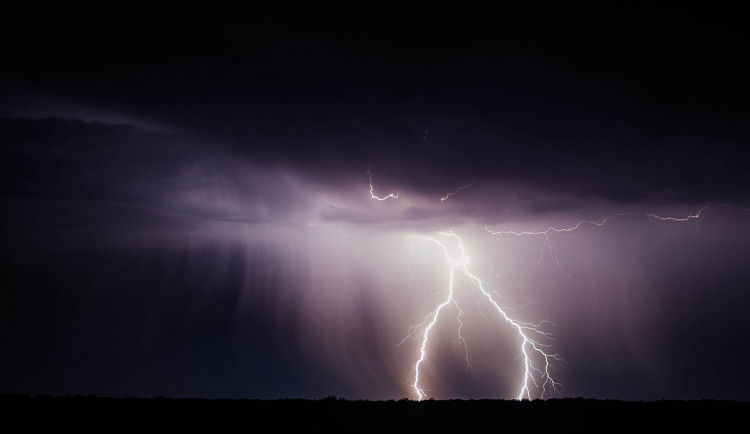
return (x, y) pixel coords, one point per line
(623, 107)
(185, 208)
(71, 159)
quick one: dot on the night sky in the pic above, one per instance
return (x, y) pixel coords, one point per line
(187, 200)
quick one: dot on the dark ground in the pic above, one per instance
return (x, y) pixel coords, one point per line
(566, 415)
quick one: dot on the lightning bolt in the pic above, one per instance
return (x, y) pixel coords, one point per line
(536, 360)
(695, 215)
(536, 378)
(548, 246)
(444, 198)
(372, 190)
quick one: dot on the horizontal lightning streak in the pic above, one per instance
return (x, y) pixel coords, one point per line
(444, 198)
(548, 246)
(695, 215)
(553, 229)
(372, 191)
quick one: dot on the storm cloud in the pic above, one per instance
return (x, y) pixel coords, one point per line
(187, 208)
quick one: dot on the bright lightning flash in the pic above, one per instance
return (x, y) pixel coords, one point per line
(536, 359)
(444, 198)
(372, 191)
(548, 246)
(695, 215)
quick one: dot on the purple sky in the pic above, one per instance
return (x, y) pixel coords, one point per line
(187, 210)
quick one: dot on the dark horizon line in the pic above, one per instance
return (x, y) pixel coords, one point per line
(5, 396)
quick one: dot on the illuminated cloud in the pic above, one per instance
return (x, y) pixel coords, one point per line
(255, 212)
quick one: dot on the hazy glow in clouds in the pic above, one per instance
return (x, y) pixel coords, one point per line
(297, 283)
(372, 267)
(357, 253)
(220, 209)
(369, 268)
